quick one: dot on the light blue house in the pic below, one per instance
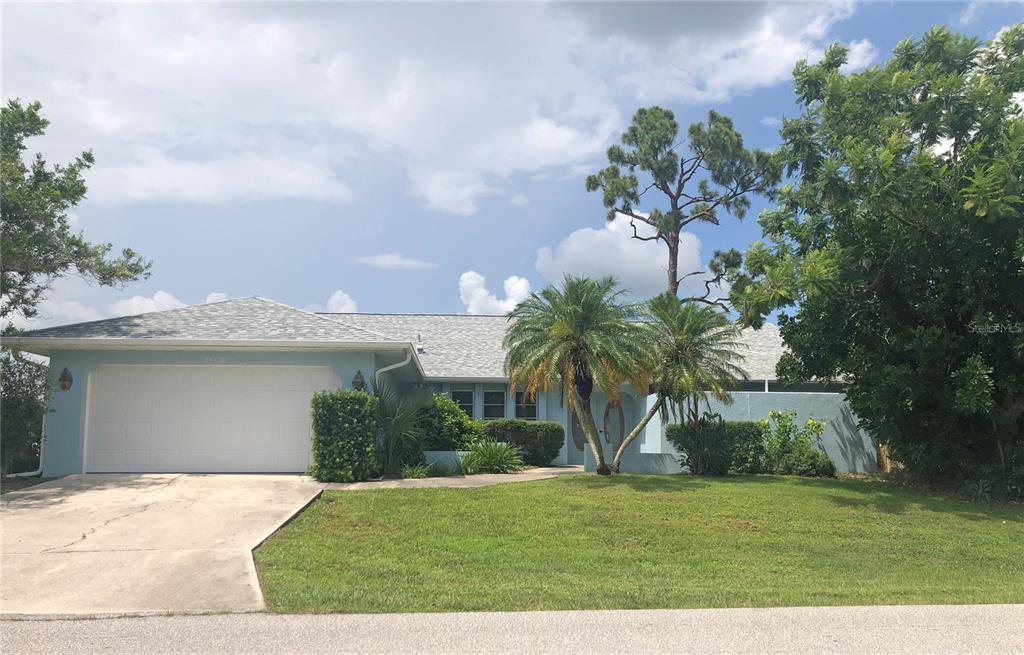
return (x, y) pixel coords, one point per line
(225, 387)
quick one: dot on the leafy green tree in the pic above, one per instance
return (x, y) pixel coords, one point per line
(897, 253)
(582, 335)
(715, 173)
(22, 404)
(696, 351)
(37, 245)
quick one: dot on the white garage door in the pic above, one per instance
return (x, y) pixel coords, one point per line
(209, 418)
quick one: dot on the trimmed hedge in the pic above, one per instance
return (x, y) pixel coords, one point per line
(445, 426)
(538, 441)
(713, 446)
(344, 436)
(717, 447)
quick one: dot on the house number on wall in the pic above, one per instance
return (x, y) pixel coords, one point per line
(214, 360)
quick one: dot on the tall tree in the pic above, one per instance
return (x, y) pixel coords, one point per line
(583, 336)
(37, 245)
(714, 173)
(897, 253)
(22, 405)
(696, 354)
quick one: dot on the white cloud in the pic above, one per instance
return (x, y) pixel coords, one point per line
(862, 53)
(460, 97)
(72, 300)
(752, 45)
(770, 121)
(340, 302)
(395, 261)
(974, 9)
(639, 266)
(57, 311)
(478, 300)
(158, 302)
(246, 177)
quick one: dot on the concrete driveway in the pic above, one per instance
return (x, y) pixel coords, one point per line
(141, 543)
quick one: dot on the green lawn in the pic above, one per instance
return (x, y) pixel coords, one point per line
(583, 542)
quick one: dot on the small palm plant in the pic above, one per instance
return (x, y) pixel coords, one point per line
(401, 441)
(584, 336)
(697, 355)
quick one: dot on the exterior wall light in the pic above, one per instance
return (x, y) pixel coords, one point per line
(359, 382)
(65, 380)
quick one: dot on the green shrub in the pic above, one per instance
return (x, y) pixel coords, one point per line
(344, 436)
(538, 441)
(491, 457)
(445, 426)
(804, 459)
(438, 470)
(790, 449)
(705, 447)
(775, 445)
(414, 471)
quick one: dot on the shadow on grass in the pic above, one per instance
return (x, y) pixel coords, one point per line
(857, 494)
(664, 483)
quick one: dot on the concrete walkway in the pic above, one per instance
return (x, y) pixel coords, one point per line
(460, 481)
(141, 542)
(931, 630)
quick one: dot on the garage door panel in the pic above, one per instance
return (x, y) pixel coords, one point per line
(202, 418)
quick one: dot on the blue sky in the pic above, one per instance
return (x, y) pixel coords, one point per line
(399, 157)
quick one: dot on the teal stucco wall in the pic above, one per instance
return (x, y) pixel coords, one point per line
(852, 450)
(65, 420)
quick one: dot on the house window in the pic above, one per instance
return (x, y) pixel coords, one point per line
(464, 399)
(494, 404)
(526, 407)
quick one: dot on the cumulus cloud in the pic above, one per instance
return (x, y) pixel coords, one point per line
(862, 53)
(478, 300)
(748, 45)
(158, 302)
(975, 8)
(216, 296)
(770, 121)
(340, 302)
(393, 261)
(640, 266)
(57, 311)
(460, 97)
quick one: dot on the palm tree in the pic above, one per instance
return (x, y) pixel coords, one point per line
(697, 351)
(583, 336)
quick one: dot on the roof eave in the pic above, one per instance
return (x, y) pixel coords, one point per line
(46, 345)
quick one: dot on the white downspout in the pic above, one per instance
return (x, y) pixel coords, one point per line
(42, 435)
(380, 371)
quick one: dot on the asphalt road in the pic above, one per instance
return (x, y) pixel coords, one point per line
(934, 630)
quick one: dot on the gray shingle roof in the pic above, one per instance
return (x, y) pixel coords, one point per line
(762, 351)
(464, 346)
(454, 345)
(243, 319)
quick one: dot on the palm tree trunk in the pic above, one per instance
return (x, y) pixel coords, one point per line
(586, 417)
(617, 461)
